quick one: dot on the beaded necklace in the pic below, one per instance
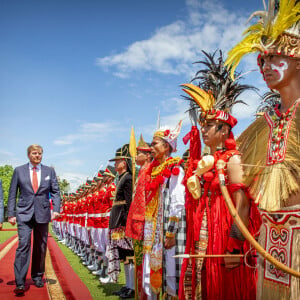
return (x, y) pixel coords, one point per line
(158, 174)
(279, 124)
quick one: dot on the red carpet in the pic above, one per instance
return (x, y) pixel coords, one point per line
(7, 279)
(71, 284)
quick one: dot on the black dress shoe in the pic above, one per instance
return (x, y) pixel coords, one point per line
(119, 292)
(127, 294)
(38, 283)
(20, 289)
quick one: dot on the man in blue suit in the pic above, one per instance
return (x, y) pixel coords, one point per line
(35, 184)
(1, 206)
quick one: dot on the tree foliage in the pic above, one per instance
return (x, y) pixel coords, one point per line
(6, 173)
(64, 185)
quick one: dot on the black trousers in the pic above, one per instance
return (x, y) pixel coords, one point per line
(124, 254)
(22, 259)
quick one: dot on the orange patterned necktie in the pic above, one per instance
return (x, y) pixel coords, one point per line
(35, 184)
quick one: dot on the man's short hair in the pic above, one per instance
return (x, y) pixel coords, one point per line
(34, 147)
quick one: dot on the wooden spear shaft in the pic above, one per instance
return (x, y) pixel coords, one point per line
(207, 255)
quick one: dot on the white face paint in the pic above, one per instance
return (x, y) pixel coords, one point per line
(283, 65)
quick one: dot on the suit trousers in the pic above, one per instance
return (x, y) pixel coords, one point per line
(22, 259)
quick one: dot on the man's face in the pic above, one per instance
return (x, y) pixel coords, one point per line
(159, 148)
(35, 156)
(278, 71)
(107, 179)
(141, 157)
(120, 165)
(99, 183)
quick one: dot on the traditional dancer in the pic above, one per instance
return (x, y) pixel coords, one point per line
(136, 216)
(164, 233)
(270, 146)
(215, 233)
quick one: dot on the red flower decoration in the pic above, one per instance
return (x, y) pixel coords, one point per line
(167, 173)
(175, 171)
(155, 163)
(230, 144)
(153, 185)
(160, 179)
(167, 132)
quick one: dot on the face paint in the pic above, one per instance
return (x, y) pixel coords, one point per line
(280, 69)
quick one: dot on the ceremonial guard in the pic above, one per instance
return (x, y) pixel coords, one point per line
(93, 266)
(68, 239)
(71, 220)
(85, 242)
(58, 225)
(97, 203)
(270, 147)
(120, 247)
(77, 215)
(109, 192)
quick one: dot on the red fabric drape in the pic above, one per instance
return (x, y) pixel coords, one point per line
(190, 206)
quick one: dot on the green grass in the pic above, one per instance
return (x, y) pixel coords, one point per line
(97, 290)
(5, 235)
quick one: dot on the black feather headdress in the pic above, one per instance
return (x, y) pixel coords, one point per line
(216, 92)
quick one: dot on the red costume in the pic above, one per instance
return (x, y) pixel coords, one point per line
(98, 203)
(212, 235)
(107, 204)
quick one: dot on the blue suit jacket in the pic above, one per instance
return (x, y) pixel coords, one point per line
(33, 203)
(1, 203)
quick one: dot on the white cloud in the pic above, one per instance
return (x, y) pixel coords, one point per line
(74, 162)
(89, 132)
(242, 111)
(173, 48)
(74, 179)
(174, 110)
(177, 108)
(6, 153)
(9, 158)
(62, 153)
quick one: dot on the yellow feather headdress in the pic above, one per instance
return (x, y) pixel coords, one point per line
(277, 32)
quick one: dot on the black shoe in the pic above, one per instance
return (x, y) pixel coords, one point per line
(20, 289)
(129, 293)
(38, 283)
(119, 292)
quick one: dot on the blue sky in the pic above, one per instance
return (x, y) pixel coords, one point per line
(76, 75)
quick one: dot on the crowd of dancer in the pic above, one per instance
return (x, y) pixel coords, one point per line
(187, 227)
